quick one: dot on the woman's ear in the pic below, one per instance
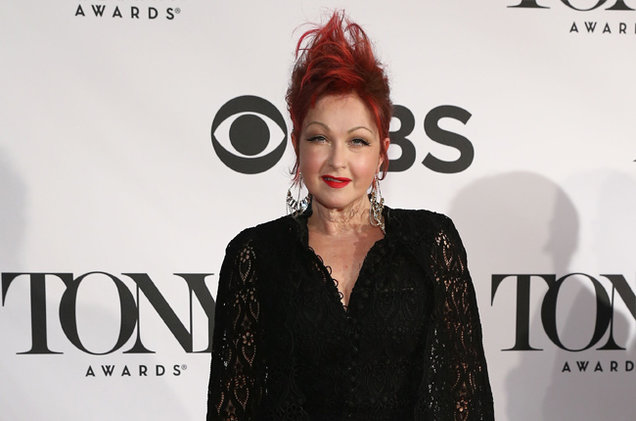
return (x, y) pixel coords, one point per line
(385, 146)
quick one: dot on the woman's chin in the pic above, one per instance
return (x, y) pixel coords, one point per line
(338, 204)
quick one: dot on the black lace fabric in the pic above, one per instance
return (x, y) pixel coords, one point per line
(407, 347)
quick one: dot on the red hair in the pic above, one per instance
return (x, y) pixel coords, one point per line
(334, 59)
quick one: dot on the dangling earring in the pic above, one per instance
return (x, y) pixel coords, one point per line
(297, 206)
(377, 204)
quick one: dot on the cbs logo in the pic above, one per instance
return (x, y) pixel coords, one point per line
(245, 142)
(248, 134)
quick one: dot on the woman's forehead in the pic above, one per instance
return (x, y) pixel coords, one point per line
(345, 111)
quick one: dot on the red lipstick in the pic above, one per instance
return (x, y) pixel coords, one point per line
(335, 182)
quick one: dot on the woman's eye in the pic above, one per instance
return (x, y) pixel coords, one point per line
(359, 141)
(317, 138)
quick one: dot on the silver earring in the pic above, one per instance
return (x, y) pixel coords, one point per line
(297, 206)
(377, 204)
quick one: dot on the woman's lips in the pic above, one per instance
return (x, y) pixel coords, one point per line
(335, 182)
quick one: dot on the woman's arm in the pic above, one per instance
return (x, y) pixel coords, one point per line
(456, 385)
(237, 371)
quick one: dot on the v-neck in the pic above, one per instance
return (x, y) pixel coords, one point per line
(326, 270)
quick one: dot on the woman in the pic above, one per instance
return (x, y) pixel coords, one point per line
(346, 309)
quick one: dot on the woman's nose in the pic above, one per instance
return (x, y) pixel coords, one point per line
(337, 157)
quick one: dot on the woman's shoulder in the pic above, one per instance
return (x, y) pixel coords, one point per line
(417, 222)
(266, 234)
(425, 228)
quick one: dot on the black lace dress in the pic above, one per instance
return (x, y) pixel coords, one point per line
(407, 347)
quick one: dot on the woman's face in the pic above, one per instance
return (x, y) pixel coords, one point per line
(339, 151)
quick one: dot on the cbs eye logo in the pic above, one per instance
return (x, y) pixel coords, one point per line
(255, 148)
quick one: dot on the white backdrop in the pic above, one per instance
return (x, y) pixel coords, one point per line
(107, 165)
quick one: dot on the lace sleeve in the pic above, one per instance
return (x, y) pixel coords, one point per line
(237, 370)
(456, 386)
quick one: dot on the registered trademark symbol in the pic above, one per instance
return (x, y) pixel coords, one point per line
(177, 10)
(184, 366)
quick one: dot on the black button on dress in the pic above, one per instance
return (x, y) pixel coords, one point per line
(407, 347)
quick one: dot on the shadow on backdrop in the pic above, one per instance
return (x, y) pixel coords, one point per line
(600, 393)
(12, 214)
(522, 222)
(516, 223)
(12, 231)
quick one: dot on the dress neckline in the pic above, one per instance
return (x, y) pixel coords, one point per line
(326, 270)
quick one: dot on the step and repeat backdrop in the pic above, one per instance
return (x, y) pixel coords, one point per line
(139, 136)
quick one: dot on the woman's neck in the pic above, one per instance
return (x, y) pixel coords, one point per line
(329, 221)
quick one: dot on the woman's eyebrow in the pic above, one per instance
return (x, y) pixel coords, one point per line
(360, 127)
(317, 122)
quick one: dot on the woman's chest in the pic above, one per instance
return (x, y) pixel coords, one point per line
(388, 311)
